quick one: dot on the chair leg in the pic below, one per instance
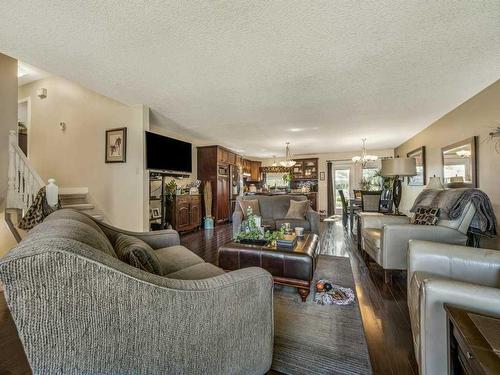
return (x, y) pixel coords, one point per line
(387, 276)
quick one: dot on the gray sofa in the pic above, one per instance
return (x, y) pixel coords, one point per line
(80, 310)
(440, 274)
(273, 209)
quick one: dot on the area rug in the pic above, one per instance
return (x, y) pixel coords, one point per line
(314, 339)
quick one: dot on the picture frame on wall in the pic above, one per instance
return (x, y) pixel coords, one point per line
(420, 178)
(322, 176)
(116, 145)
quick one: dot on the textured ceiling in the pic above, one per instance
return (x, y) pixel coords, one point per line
(252, 74)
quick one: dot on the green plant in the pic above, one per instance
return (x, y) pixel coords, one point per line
(170, 188)
(250, 230)
(386, 181)
(287, 178)
(365, 183)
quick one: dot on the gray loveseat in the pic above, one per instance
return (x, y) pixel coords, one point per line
(273, 209)
(80, 310)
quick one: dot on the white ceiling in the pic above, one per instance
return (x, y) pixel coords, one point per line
(252, 74)
(27, 74)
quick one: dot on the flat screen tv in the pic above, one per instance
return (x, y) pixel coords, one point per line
(167, 154)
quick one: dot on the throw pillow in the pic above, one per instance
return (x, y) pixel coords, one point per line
(297, 209)
(252, 203)
(137, 253)
(426, 216)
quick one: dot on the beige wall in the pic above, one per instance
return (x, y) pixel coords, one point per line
(322, 160)
(8, 116)
(476, 117)
(75, 157)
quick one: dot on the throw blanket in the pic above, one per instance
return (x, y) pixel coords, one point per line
(37, 212)
(451, 204)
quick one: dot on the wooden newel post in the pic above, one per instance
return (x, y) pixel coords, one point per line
(11, 195)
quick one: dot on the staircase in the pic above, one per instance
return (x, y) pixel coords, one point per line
(24, 184)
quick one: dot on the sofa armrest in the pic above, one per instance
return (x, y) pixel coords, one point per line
(395, 240)
(313, 219)
(378, 221)
(97, 303)
(467, 264)
(156, 239)
(434, 293)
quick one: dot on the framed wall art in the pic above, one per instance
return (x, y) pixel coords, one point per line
(116, 145)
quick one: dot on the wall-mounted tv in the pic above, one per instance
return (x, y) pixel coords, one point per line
(167, 154)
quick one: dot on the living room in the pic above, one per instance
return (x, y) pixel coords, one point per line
(240, 188)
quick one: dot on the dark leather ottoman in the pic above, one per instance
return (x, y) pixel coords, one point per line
(288, 267)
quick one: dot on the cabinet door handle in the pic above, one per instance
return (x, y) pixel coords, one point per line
(470, 355)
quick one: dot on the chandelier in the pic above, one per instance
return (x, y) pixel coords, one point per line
(288, 162)
(364, 158)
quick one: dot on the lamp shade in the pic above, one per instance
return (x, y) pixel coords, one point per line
(399, 167)
(435, 184)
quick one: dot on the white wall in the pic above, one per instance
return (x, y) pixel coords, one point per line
(476, 117)
(322, 160)
(75, 157)
(8, 115)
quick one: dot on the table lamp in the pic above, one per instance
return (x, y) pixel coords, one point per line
(434, 183)
(398, 167)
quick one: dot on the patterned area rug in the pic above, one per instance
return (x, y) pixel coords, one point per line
(316, 339)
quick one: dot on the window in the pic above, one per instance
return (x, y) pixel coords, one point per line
(369, 179)
(275, 181)
(341, 181)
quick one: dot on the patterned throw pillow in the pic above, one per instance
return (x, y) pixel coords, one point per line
(137, 253)
(426, 216)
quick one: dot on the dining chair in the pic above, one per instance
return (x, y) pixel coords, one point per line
(370, 201)
(386, 201)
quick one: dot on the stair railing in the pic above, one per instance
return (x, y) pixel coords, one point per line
(24, 181)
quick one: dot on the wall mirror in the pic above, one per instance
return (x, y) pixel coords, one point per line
(419, 156)
(459, 164)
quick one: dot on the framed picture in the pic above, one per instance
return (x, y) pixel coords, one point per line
(155, 213)
(116, 145)
(322, 176)
(420, 178)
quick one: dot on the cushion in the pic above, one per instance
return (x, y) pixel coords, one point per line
(72, 229)
(176, 258)
(297, 209)
(426, 216)
(197, 272)
(137, 253)
(371, 236)
(294, 223)
(253, 203)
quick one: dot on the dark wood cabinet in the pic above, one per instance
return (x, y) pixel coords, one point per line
(255, 171)
(183, 212)
(222, 199)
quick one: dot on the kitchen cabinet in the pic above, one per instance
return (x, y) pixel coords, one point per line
(305, 169)
(222, 213)
(255, 170)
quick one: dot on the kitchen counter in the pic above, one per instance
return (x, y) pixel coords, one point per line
(279, 193)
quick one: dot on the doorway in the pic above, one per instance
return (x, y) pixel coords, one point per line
(24, 124)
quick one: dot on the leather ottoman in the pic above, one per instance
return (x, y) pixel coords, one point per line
(293, 267)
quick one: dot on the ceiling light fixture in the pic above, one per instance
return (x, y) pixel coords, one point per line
(288, 162)
(364, 158)
(274, 162)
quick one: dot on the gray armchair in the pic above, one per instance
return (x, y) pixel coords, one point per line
(273, 209)
(385, 237)
(80, 310)
(441, 274)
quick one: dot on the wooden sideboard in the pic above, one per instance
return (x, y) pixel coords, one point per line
(184, 212)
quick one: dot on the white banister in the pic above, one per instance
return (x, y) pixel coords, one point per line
(24, 182)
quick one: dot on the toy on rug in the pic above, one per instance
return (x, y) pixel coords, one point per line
(328, 293)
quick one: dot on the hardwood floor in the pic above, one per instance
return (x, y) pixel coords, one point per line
(383, 307)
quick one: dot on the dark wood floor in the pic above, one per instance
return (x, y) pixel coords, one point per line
(383, 307)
